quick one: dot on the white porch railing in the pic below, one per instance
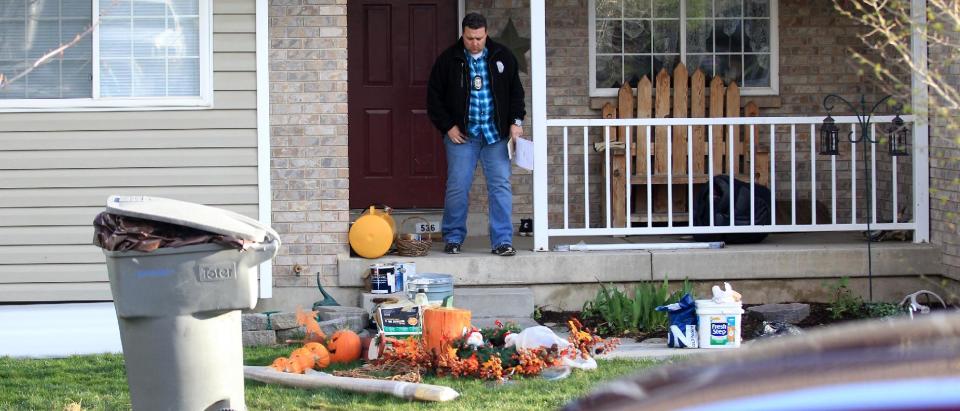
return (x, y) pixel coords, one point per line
(795, 133)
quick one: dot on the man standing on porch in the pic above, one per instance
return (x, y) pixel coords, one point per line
(475, 99)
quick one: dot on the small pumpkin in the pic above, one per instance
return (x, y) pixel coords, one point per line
(303, 359)
(321, 357)
(344, 346)
(281, 364)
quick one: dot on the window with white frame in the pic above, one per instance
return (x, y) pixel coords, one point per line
(139, 53)
(733, 39)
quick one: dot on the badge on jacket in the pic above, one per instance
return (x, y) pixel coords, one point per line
(500, 66)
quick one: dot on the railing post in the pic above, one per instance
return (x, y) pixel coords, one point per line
(921, 149)
(538, 76)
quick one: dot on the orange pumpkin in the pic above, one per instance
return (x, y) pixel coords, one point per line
(321, 357)
(344, 346)
(281, 364)
(303, 358)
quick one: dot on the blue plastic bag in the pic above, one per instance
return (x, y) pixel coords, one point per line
(683, 323)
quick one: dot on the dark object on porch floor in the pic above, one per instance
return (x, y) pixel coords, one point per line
(741, 206)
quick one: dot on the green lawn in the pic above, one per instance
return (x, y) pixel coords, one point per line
(98, 382)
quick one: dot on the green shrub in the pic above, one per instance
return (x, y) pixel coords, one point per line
(844, 304)
(618, 312)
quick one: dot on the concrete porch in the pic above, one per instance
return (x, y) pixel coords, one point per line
(784, 267)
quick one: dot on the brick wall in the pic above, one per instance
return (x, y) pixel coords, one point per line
(309, 141)
(945, 164)
(308, 119)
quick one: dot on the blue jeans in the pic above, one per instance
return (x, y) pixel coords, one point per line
(461, 163)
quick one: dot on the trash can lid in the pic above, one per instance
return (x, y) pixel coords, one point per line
(198, 216)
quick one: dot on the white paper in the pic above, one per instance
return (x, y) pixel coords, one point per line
(523, 155)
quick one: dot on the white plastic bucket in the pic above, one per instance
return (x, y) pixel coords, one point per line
(718, 324)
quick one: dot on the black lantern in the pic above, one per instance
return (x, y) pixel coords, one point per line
(829, 137)
(897, 137)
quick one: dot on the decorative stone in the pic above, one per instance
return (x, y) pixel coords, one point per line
(258, 338)
(352, 323)
(284, 321)
(334, 312)
(253, 322)
(791, 313)
(296, 333)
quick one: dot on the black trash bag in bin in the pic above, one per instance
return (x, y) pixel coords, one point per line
(741, 206)
(115, 232)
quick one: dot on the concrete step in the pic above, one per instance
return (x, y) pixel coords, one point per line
(483, 302)
(505, 302)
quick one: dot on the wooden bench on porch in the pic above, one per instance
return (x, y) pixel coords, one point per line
(687, 98)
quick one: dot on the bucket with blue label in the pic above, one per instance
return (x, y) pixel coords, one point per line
(719, 324)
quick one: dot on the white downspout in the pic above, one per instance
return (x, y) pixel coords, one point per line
(919, 101)
(538, 76)
(263, 135)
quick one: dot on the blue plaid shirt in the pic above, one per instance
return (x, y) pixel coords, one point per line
(480, 122)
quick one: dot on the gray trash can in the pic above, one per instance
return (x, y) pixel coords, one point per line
(178, 308)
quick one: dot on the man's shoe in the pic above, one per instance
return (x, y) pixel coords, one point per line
(504, 250)
(452, 248)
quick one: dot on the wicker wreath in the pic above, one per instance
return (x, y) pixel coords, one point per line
(413, 245)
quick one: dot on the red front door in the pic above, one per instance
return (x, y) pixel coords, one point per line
(396, 155)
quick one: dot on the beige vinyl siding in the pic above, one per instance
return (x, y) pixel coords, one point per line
(57, 169)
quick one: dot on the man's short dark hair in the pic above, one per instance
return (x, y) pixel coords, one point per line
(474, 21)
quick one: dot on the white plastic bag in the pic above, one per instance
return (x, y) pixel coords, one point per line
(535, 337)
(540, 336)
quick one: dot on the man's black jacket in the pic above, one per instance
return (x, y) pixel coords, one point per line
(448, 90)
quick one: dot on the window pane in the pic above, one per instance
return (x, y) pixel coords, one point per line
(728, 68)
(17, 89)
(702, 61)
(636, 36)
(699, 8)
(145, 8)
(41, 9)
(757, 8)
(149, 37)
(77, 8)
(163, 56)
(77, 79)
(12, 40)
(636, 8)
(666, 8)
(184, 7)
(81, 50)
(13, 9)
(728, 36)
(44, 81)
(184, 75)
(729, 8)
(115, 38)
(114, 8)
(115, 78)
(609, 69)
(609, 36)
(31, 29)
(187, 30)
(699, 36)
(757, 71)
(756, 36)
(608, 8)
(635, 67)
(149, 77)
(666, 36)
(42, 36)
(668, 62)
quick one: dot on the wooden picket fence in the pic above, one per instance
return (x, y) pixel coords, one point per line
(687, 99)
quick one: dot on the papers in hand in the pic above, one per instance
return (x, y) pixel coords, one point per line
(521, 152)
